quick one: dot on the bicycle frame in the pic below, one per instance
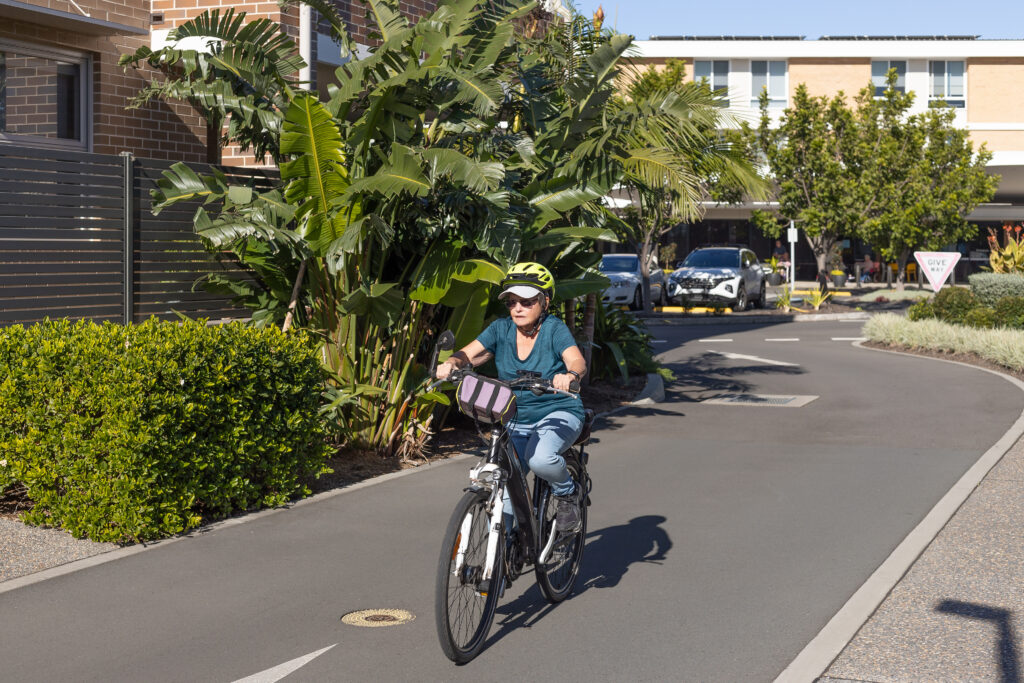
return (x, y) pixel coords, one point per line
(503, 471)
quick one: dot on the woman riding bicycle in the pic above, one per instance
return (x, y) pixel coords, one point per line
(532, 341)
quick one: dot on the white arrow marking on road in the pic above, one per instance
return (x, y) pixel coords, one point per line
(849, 338)
(783, 339)
(282, 670)
(711, 341)
(756, 359)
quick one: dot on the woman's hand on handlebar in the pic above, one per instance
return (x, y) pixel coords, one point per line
(563, 382)
(444, 369)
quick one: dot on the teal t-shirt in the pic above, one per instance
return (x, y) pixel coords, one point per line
(553, 338)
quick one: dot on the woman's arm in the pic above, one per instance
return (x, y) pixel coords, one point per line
(574, 363)
(472, 353)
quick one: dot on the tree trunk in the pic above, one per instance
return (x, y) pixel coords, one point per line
(902, 272)
(295, 298)
(645, 273)
(589, 316)
(570, 315)
(822, 248)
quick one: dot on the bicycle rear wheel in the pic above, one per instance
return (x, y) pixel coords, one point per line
(557, 576)
(465, 601)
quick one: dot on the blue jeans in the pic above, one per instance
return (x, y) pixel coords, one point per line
(539, 447)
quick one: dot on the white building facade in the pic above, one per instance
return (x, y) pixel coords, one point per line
(982, 79)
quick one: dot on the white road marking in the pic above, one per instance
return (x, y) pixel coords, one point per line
(783, 339)
(659, 341)
(756, 359)
(849, 338)
(282, 670)
(712, 341)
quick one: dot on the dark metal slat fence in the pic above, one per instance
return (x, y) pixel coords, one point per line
(78, 240)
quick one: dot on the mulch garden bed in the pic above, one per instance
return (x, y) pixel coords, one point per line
(458, 436)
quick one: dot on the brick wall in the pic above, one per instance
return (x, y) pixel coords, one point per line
(160, 130)
(163, 130)
(30, 100)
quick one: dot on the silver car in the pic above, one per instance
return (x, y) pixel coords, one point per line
(719, 275)
(626, 282)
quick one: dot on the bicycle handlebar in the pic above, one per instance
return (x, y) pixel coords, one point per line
(535, 384)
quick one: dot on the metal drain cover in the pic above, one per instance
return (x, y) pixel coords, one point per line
(772, 400)
(375, 618)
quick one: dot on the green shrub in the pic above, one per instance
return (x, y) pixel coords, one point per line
(1009, 312)
(134, 433)
(981, 317)
(1001, 346)
(952, 304)
(921, 310)
(991, 287)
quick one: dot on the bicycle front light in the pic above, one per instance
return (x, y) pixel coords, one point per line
(485, 475)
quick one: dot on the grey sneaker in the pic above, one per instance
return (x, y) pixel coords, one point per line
(567, 513)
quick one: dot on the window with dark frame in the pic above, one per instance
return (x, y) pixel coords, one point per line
(768, 76)
(946, 83)
(880, 75)
(42, 96)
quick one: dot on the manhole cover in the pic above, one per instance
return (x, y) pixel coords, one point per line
(373, 618)
(773, 400)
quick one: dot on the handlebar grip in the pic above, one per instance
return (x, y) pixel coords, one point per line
(574, 386)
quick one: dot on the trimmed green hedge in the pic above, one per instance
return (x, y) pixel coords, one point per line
(135, 433)
(989, 288)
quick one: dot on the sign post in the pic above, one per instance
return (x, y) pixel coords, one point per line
(937, 265)
(792, 235)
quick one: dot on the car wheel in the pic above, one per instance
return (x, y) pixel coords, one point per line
(638, 300)
(741, 299)
(762, 300)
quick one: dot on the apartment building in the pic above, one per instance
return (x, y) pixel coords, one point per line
(982, 79)
(61, 87)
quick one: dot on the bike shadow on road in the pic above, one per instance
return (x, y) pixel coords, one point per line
(609, 554)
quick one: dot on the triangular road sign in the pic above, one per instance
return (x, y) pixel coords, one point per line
(937, 265)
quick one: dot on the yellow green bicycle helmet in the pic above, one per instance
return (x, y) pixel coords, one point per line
(527, 280)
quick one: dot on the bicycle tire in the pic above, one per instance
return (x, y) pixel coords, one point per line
(557, 578)
(464, 605)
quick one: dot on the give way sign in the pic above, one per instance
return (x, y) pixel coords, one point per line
(937, 265)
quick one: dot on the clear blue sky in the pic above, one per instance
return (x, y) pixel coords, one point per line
(644, 18)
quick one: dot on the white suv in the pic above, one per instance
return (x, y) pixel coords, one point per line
(719, 275)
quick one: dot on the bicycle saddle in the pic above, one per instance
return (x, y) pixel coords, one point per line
(588, 422)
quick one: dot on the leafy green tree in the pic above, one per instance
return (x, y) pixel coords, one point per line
(921, 177)
(437, 161)
(673, 131)
(898, 181)
(809, 155)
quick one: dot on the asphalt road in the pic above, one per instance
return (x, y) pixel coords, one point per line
(722, 538)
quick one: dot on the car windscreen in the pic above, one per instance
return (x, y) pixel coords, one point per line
(713, 258)
(618, 264)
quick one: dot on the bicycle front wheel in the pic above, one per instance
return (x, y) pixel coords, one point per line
(557, 576)
(465, 601)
